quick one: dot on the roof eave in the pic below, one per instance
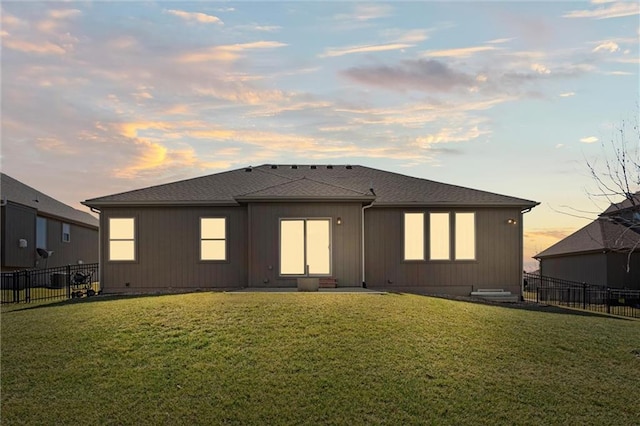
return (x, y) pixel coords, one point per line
(267, 199)
(179, 203)
(449, 204)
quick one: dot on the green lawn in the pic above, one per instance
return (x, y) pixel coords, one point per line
(301, 358)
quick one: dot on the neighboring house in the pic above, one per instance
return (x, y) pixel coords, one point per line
(605, 252)
(269, 225)
(32, 220)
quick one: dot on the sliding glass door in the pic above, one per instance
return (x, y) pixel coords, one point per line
(305, 247)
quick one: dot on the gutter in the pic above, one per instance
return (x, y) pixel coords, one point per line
(364, 282)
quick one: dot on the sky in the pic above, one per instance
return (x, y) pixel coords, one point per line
(508, 97)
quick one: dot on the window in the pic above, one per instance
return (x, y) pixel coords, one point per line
(465, 241)
(66, 233)
(439, 236)
(305, 243)
(41, 232)
(213, 238)
(414, 236)
(122, 243)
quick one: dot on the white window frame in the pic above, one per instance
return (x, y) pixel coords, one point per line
(41, 232)
(413, 238)
(128, 239)
(66, 236)
(304, 220)
(462, 237)
(224, 239)
(439, 236)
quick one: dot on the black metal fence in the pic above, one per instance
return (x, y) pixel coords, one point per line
(64, 282)
(541, 289)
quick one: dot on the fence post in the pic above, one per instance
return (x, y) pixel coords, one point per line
(584, 295)
(608, 297)
(68, 280)
(27, 286)
(16, 287)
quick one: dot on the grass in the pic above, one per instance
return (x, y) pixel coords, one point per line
(218, 358)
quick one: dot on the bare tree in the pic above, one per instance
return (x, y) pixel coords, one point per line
(616, 174)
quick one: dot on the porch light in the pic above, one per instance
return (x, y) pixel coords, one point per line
(339, 221)
(512, 221)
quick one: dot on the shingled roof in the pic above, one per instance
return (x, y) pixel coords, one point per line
(600, 235)
(14, 191)
(308, 182)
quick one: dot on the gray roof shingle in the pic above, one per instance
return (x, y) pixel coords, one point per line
(321, 181)
(17, 192)
(600, 235)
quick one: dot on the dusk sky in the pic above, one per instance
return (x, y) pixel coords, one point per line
(507, 97)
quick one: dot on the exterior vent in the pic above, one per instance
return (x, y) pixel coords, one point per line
(313, 167)
(273, 166)
(349, 167)
(248, 169)
(294, 167)
(329, 167)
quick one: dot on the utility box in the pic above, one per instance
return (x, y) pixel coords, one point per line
(308, 284)
(58, 280)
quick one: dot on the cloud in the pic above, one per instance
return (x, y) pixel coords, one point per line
(610, 10)
(449, 134)
(366, 12)
(459, 53)
(554, 233)
(500, 40)
(589, 139)
(540, 69)
(42, 48)
(156, 158)
(567, 94)
(64, 13)
(195, 16)
(423, 75)
(608, 46)
(619, 73)
(227, 53)
(334, 51)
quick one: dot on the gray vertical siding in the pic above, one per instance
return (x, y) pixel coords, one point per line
(19, 222)
(168, 251)
(264, 246)
(498, 254)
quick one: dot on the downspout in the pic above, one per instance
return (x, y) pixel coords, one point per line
(364, 282)
(100, 263)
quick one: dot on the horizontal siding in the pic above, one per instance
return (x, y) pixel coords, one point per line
(83, 245)
(168, 251)
(264, 246)
(590, 268)
(498, 254)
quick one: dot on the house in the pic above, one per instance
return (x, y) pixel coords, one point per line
(605, 252)
(352, 226)
(32, 220)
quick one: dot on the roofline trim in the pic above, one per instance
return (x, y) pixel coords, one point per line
(203, 203)
(341, 198)
(453, 204)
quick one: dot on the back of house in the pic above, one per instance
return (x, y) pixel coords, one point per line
(349, 226)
